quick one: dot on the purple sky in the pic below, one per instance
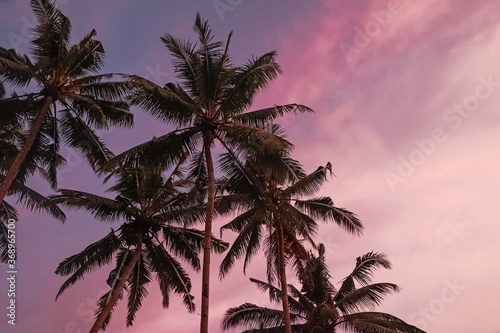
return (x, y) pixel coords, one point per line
(407, 100)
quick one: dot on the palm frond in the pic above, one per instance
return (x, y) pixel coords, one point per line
(366, 297)
(169, 104)
(77, 134)
(262, 117)
(247, 242)
(250, 315)
(376, 322)
(170, 275)
(239, 136)
(309, 184)
(366, 264)
(248, 80)
(137, 291)
(322, 208)
(102, 208)
(84, 57)
(34, 201)
(14, 69)
(94, 255)
(166, 151)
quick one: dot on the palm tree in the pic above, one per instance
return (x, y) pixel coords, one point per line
(270, 191)
(208, 105)
(145, 245)
(64, 75)
(10, 133)
(318, 307)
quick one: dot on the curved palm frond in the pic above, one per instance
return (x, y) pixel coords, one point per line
(95, 255)
(367, 297)
(102, 208)
(170, 274)
(136, 287)
(322, 208)
(376, 322)
(251, 315)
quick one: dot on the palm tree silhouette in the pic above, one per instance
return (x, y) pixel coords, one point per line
(270, 192)
(318, 307)
(145, 244)
(64, 75)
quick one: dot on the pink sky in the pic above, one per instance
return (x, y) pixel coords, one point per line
(407, 118)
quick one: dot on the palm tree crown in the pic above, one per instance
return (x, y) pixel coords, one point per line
(270, 192)
(319, 307)
(145, 245)
(70, 101)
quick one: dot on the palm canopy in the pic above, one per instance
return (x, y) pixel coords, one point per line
(270, 191)
(211, 98)
(320, 308)
(145, 245)
(70, 99)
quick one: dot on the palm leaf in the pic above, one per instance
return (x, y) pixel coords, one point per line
(250, 315)
(33, 200)
(137, 291)
(249, 80)
(76, 133)
(238, 136)
(259, 118)
(376, 322)
(323, 208)
(166, 150)
(247, 242)
(94, 255)
(170, 275)
(14, 69)
(102, 208)
(366, 297)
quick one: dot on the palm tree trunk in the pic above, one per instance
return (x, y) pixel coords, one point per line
(205, 283)
(284, 285)
(23, 152)
(119, 287)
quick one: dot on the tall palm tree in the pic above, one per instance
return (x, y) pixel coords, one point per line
(64, 76)
(270, 191)
(207, 105)
(318, 307)
(145, 245)
(10, 133)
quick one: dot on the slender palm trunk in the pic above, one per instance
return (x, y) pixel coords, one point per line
(23, 152)
(284, 285)
(205, 283)
(119, 287)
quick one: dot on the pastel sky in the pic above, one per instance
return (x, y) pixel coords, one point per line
(407, 101)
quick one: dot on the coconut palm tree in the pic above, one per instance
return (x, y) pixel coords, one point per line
(271, 191)
(70, 100)
(145, 245)
(208, 105)
(318, 307)
(10, 133)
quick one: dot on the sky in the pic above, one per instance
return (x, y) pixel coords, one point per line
(407, 109)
